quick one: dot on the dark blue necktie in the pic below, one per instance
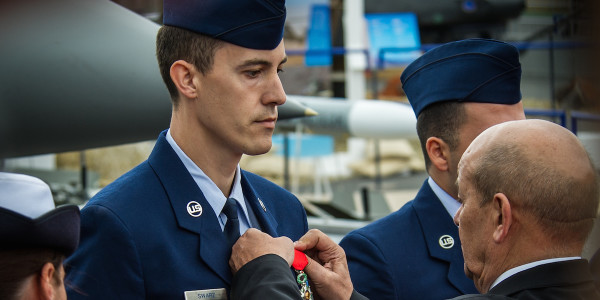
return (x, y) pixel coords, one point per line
(232, 227)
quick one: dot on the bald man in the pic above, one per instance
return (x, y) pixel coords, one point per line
(529, 195)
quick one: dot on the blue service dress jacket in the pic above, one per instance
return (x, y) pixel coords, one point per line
(138, 240)
(413, 253)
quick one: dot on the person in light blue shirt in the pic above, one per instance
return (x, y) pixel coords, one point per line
(164, 230)
(456, 90)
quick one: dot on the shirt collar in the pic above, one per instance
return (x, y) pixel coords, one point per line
(530, 265)
(449, 203)
(211, 192)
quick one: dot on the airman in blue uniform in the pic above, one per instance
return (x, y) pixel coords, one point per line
(457, 90)
(164, 230)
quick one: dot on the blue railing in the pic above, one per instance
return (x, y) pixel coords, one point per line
(550, 113)
(558, 116)
(576, 116)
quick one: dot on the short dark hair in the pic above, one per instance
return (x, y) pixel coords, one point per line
(442, 120)
(173, 43)
(18, 264)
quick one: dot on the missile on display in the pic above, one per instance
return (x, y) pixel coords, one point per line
(82, 74)
(77, 74)
(292, 109)
(377, 119)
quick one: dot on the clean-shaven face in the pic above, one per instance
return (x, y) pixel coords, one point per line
(481, 116)
(475, 222)
(239, 98)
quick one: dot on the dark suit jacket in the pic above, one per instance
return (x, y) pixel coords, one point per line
(400, 255)
(138, 240)
(567, 280)
(595, 267)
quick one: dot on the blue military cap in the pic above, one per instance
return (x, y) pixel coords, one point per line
(472, 70)
(255, 24)
(28, 218)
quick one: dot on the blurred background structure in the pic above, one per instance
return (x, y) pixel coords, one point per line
(81, 99)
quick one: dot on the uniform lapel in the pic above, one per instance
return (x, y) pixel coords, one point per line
(181, 190)
(260, 207)
(441, 236)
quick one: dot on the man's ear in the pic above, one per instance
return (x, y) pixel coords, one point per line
(438, 152)
(183, 75)
(502, 214)
(46, 281)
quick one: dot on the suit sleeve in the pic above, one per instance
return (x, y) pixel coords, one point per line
(369, 270)
(482, 297)
(266, 277)
(269, 277)
(106, 264)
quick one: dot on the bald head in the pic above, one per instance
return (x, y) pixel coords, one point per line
(543, 169)
(543, 142)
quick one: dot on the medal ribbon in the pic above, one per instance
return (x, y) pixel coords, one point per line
(300, 260)
(299, 263)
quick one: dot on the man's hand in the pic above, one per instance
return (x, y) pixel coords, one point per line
(255, 243)
(327, 267)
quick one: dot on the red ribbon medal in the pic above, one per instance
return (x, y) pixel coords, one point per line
(299, 263)
(300, 260)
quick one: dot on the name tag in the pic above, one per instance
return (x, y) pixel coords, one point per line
(218, 294)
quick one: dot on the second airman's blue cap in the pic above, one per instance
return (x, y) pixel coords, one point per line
(29, 219)
(255, 24)
(472, 70)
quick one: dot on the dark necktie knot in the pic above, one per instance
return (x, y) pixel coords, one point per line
(230, 209)
(232, 226)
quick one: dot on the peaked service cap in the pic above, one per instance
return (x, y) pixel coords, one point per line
(472, 70)
(254, 24)
(28, 218)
